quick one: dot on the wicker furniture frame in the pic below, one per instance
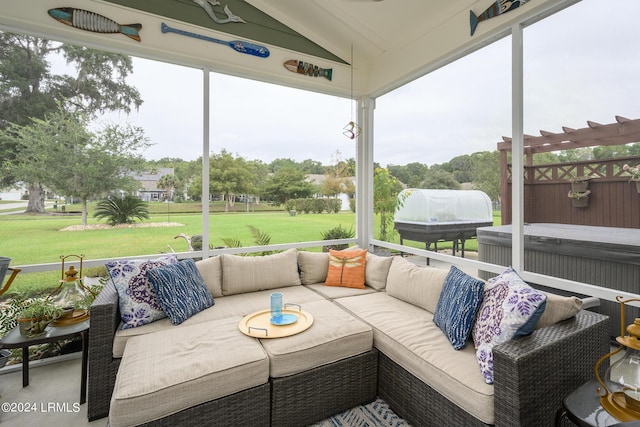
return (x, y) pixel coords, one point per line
(529, 384)
(532, 376)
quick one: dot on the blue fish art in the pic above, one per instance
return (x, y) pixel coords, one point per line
(497, 8)
(91, 21)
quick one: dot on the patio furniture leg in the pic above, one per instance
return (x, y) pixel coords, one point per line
(85, 360)
(25, 366)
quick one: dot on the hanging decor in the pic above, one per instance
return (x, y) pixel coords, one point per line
(352, 129)
(308, 69)
(237, 45)
(91, 21)
(206, 5)
(497, 8)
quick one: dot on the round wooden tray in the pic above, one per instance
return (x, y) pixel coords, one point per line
(77, 317)
(258, 324)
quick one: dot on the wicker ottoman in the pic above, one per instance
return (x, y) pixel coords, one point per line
(177, 374)
(322, 371)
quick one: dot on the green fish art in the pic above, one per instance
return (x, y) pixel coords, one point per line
(497, 8)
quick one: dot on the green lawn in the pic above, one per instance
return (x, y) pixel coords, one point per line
(30, 239)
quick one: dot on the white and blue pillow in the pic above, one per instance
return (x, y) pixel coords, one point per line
(137, 300)
(510, 308)
(181, 290)
(457, 306)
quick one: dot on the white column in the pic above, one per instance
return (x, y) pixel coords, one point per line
(206, 75)
(517, 154)
(364, 173)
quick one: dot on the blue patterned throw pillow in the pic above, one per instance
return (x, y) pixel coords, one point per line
(511, 308)
(181, 290)
(456, 310)
(137, 300)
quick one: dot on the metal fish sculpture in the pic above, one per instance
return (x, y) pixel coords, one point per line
(307, 69)
(91, 21)
(497, 8)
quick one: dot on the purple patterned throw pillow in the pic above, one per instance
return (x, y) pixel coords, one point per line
(137, 300)
(510, 308)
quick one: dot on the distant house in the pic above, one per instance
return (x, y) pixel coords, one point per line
(318, 180)
(148, 190)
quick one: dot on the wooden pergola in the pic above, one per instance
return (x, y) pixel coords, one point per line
(607, 177)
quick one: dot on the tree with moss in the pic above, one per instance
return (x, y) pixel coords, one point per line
(95, 83)
(62, 153)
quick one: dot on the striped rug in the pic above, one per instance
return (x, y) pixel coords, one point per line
(375, 414)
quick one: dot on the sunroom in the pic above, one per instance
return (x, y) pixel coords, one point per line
(379, 53)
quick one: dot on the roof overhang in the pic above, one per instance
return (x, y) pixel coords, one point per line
(389, 42)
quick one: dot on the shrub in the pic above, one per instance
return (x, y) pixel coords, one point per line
(337, 233)
(121, 211)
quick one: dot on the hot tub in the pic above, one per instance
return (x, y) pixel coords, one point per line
(602, 256)
(431, 216)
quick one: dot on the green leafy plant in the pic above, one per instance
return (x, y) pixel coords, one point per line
(581, 178)
(578, 194)
(9, 313)
(260, 238)
(121, 211)
(40, 308)
(334, 233)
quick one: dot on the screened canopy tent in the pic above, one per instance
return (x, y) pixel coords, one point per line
(371, 46)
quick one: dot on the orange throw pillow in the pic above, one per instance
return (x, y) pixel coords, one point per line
(346, 268)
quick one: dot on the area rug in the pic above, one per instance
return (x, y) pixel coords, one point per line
(375, 414)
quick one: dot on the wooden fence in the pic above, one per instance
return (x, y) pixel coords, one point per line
(614, 201)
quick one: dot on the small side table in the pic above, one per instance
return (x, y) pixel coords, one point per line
(53, 333)
(582, 407)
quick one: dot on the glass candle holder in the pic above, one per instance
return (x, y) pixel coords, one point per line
(276, 305)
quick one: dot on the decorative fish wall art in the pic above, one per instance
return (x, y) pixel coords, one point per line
(206, 5)
(307, 69)
(237, 45)
(91, 21)
(497, 8)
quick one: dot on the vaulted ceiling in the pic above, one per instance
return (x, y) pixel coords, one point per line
(372, 46)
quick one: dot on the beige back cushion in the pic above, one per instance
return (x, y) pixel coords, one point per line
(420, 286)
(256, 273)
(313, 267)
(211, 271)
(377, 270)
(559, 308)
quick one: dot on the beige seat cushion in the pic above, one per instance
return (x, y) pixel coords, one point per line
(420, 286)
(333, 292)
(334, 335)
(151, 384)
(228, 306)
(409, 337)
(256, 273)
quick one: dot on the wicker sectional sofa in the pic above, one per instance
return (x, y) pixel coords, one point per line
(377, 341)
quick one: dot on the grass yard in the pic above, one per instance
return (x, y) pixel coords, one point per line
(31, 239)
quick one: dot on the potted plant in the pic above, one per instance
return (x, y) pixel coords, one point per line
(337, 233)
(36, 316)
(580, 183)
(635, 174)
(579, 199)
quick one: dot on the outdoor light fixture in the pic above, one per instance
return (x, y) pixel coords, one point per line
(620, 392)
